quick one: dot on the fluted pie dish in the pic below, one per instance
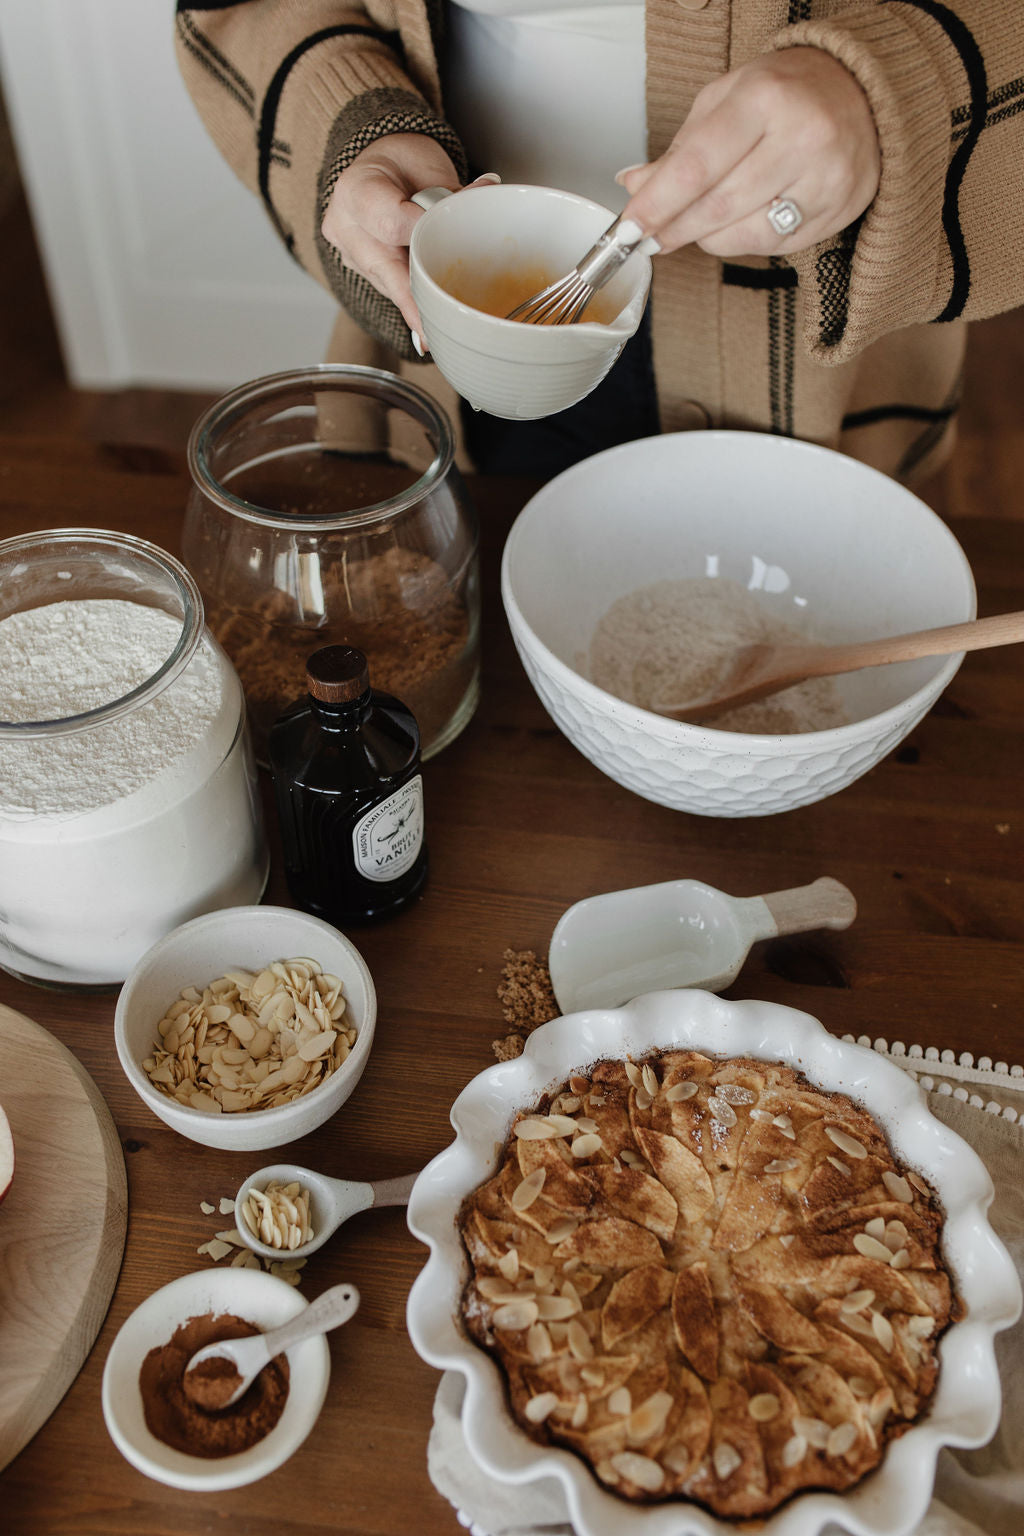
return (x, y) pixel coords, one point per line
(706, 1279)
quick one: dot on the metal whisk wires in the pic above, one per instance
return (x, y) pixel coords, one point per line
(563, 302)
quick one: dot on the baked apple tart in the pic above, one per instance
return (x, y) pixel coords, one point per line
(708, 1278)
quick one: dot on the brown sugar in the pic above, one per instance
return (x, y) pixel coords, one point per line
(527, 999)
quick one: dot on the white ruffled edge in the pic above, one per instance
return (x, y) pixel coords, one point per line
(962, 1068)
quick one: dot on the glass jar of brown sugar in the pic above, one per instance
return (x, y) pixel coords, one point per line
(326, 509)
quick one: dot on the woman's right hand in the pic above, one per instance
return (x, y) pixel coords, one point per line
(370, 216)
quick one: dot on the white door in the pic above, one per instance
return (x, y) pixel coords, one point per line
(162, 268)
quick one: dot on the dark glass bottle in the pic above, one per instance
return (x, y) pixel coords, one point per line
(345, 762)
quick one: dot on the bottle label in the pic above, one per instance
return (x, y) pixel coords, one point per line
(387, 840)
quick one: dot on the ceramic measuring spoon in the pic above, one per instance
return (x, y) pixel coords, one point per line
(681, 933)
(239, 1361)
(331, 1202)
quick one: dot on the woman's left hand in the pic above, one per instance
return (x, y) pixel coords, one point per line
(793, 124)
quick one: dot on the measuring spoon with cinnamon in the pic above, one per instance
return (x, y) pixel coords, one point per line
(218, 1374)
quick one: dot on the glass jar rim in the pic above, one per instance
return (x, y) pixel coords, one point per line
(346, 378)
(192, 625)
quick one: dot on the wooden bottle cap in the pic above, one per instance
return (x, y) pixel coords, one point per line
(337, 674)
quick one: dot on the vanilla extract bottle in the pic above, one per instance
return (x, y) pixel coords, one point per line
(345, 763)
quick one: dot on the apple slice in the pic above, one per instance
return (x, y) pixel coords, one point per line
(6, 1154)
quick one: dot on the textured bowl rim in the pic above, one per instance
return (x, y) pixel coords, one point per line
(680, 730)
(966, 1406)
(281, 1115)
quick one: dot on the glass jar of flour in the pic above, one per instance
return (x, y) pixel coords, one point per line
(128, 795)
(326, 509)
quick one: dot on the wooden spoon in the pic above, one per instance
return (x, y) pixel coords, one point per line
(763, 669)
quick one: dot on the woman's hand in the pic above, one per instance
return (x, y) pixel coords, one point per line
(793, 124)
(370, 216)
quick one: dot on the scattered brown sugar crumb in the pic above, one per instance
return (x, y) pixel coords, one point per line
(526, 997)
(509, 1048)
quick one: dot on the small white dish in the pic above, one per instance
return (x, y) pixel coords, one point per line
(251, 1294)
(510, 369)
(200, 951)
(968, 1399)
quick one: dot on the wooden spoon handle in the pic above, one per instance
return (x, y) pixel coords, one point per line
(974, 635)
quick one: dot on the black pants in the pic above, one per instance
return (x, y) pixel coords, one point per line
(624, 406)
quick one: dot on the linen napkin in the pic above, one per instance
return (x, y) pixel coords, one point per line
(977, 1493)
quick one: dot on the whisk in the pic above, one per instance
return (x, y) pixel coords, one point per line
(563, 302)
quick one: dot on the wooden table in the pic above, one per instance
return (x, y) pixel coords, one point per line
(519, 827)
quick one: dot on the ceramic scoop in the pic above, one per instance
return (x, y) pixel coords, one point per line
(611, 948)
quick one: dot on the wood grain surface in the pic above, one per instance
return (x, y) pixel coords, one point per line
(62, 1225)
(519, 827)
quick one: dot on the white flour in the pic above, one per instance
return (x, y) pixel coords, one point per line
(112, 835)
(675, 639)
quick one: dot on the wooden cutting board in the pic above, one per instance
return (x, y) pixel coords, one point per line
(62, 1225)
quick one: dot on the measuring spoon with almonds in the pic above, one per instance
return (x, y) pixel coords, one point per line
(307, 1207)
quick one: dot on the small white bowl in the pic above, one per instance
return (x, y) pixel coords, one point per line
(260, 1299)
(196, 954)
(516, 371)
(823, 543)
(966, 1406)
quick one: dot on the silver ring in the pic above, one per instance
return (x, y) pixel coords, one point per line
(784, 216)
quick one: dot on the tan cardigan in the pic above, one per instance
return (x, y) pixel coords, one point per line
(856, 343)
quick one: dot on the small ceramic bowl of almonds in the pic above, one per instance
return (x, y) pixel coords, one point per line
(247, 1028)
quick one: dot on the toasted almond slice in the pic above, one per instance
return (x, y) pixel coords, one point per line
(875, 1227)
(515, 1316)
(634, 1074)
(898, 1187)
(845, 1142)
(842, 1438)
(679, 1092)
(841, 1166)
(586, 1146)
(580, 1412)
(508, 1264)
(814, 1431)
(538, 1343)
(726, 1458)
(794, 1451)
(527, 1191)
(535, 1128)
(581, 1345)
(540, 1407)
(721, 1111)
(620, 1401)
(763, 1407)
(735, 1093)
(856, 1301)
(641, 1470)
(882, 1329)
(871, 1248)
(650, 1079)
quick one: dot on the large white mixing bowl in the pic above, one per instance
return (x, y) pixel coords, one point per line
(828, 545)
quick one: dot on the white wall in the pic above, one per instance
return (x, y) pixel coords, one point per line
(162, 268)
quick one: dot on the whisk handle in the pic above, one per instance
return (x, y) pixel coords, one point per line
(612, 250)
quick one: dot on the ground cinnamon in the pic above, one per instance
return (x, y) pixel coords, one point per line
(179, 1422)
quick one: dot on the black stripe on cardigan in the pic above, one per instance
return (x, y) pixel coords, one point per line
(735, 276)
(191, 39)
(878, 413)
(272, 100)
(964, 42)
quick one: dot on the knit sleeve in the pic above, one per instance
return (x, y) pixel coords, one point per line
(943, 239)
(290, 94)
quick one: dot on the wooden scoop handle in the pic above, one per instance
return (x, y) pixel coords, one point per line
(826, 903)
